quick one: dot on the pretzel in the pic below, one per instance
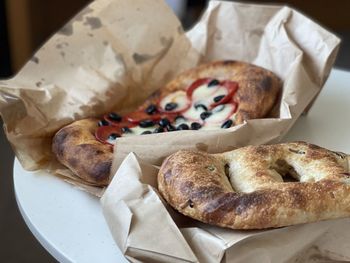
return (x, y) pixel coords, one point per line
(247, 188)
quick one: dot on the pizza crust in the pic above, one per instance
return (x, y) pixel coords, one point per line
(244, 189)
(76, 147)
(258, 88)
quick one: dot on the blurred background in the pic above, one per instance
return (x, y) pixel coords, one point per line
(26, 24)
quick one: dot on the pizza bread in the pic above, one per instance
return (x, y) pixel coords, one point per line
(258, 187)
(211, 96)
(76, 147)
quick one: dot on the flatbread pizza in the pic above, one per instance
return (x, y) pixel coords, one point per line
(216, 95)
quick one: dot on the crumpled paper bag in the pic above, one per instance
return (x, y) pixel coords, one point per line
(278, 38)
(115, 53)
(146, 229)
(111, 56)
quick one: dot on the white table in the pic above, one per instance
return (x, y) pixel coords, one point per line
(69, 223)
(327, 124)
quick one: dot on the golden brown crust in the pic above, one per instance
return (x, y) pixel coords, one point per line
(258, 88)
(244, 189)
(76, 147)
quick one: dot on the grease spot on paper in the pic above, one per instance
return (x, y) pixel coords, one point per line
(166, 41)
(62, 45)
(257, 32)
(80, 15)
(93, 22)
(67, 30)
(35, 60)
(202, 147)
(119, 57)
(218, 34)
(141, 58)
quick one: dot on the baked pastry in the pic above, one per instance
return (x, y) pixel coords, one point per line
(258, 187)
(212, 96)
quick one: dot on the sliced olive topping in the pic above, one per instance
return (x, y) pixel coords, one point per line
(115, 117)
(214, 82)
(158, 130)
(171, 106)
(182, 126)
(195, 126)
(103, 123)
(227, 124)
(206, 114)
(218, 98)
(113, 136)
(146, 132)
(126, 130)
(164, 122)
(218, 108)
(200, 106)
(151, 109)
(146, 123)
(170, 128)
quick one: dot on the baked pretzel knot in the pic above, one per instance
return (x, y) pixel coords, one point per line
(247, 188)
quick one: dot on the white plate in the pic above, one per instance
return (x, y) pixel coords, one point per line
(69, 223)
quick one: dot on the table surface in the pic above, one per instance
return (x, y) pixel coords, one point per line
(69, 223)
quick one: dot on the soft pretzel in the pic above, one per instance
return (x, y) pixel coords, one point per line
(247, 188)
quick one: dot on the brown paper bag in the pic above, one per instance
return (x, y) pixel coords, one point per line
(145, 228)
(115, 53)
(111, 56)
(274, 37)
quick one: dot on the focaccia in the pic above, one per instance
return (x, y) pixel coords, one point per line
(258, 187)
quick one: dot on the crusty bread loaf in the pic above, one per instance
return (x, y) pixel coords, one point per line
(247, 188)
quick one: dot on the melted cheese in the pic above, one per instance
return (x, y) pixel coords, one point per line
(202, 95)
(202, 92)
(178, 97)
(205, 95)
(110, 141)
(183, 121)
(193, 114)
(221, 116)
(216, 125)
(137, 130)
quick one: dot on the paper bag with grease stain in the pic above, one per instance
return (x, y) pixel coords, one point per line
(278, 38)
(112, 55)
(145, 228)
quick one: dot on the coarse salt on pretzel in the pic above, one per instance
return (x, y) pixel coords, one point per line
(247, 188)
